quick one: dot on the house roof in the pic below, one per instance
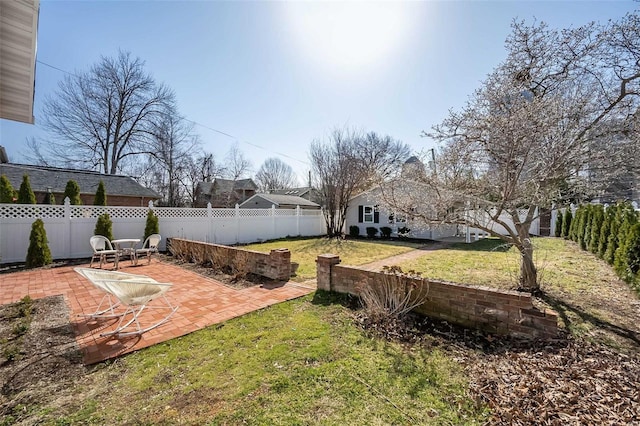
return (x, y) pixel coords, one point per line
(299, 192)
(42, 178)
(220, 185)
(280, 200)
(19, 22)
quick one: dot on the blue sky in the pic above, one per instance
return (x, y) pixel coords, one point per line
(277, 75)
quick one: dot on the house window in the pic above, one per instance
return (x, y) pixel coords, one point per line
(368, 214)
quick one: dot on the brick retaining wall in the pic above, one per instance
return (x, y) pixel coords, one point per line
(275, 265)
(494, 311)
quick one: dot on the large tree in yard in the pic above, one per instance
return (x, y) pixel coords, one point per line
(556, 122)
(348, 162)
(103, 116)
(275, 174)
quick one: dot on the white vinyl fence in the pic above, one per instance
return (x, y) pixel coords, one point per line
(70, 227)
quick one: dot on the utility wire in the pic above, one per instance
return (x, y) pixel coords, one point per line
(200, 124)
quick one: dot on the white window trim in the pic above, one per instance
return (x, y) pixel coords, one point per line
(371, 214)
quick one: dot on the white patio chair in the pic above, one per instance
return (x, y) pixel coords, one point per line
(149, 247)
(109, 303)
(135, 292)
(103, 250)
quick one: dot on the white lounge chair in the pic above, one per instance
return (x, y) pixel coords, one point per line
(103, 250)
(109, 303)
(135, 292)
(149, 247)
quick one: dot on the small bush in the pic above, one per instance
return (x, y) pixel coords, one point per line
(20, 328)
(49, 198)
(633, 251)
(393, 294)
(403, 232)
(72, 191)
(25, 194)
(25, 307)
(385, 232)
(354, 230)
(372, 231)
(240, 265)
(152, 226)
(11, 353)
(101, 196)
(38, 253)
(7, 193)
(104, 226)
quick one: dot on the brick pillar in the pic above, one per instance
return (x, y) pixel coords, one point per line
(281, 264)
(324, 264)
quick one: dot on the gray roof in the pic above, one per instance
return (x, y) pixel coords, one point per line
(42, 178)
(225, 185)
(291, 191)
(279, 200)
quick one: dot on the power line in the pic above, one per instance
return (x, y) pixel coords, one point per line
(200, 124)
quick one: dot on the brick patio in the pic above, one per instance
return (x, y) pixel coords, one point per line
(202, 302)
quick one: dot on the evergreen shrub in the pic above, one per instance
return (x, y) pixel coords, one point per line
(38, 253)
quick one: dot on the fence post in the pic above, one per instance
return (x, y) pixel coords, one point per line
(212, 233)
(298, 220)
(237, 224)
(273, 221)
(67, 224)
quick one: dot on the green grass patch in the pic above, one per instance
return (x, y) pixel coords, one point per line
(352, 252)
(297, 363)
(583, 289)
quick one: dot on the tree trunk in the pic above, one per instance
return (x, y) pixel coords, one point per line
(528, 272)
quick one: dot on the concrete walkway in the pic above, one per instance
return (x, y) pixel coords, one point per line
(410, 255)
(202, 302)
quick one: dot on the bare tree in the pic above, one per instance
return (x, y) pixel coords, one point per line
(382, 156)
(200, 167)
(103, 116)
(172, 144)
(554, 122)
(275, 174)
(237, 165)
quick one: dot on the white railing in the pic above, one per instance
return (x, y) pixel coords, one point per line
(70, 227)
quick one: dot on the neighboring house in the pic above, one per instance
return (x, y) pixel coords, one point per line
(18, 58)
(368, 210)
(305, 192)
(121, 190)
(224, 192)
(265, 201)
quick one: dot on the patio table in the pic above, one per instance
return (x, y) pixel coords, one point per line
(126, 247)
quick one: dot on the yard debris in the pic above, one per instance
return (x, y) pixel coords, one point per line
(549, 382)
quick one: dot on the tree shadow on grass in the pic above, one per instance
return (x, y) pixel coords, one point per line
(563, 309)
(485, 244)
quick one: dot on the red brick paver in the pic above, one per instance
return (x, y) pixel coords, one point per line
(202, 302)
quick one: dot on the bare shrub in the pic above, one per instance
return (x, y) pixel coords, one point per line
(392, 294)
(240, 265)
(219, 258)
(178, 249)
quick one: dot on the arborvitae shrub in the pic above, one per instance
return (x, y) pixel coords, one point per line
(577, 224)
(104, 226)
(585, 230)
(613, 241)
(597, 218)
(629, 219)
(152, 225)
(566, 222)
(558, 230)
(605, 230)
(6, 190)
(72, 191)
(354, 231)
(25, 194)
(49, 198)
(633, 253)
(101, 196)
(38, 253)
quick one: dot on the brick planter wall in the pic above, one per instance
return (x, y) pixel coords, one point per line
(276, 265)
(494, 311)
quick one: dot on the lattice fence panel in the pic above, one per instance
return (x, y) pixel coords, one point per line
(179, 212)
(78, 212)
(223, 213)
(31, 211)
(254, 212)
(285, 212)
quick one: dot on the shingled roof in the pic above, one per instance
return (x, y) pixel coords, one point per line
(282, 200)
(43, 178)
